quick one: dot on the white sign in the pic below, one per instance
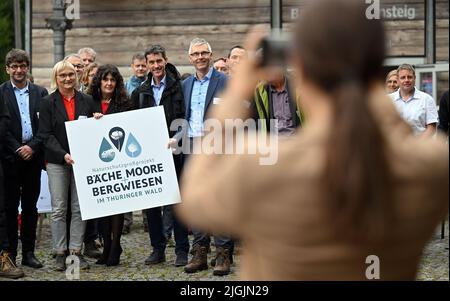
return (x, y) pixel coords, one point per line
(44, 204)
(122, 163)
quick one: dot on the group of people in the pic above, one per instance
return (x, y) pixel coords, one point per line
(298, 219)
(34, 138)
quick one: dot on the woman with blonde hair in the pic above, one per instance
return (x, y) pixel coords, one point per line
(88, 76)
(64, 104)
(392, 82)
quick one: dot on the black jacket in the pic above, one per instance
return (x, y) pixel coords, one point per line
(172, 98)
(13, 138)
(4, 122)
(52, 129)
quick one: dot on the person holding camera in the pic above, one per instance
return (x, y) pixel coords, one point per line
(346, 189)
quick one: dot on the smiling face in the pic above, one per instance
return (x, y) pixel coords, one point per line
(200, 57)
(108, 85)
(17, 72)
(407, 81)
(139, 68)
(66, 79)
(392, 84)
(156, 64)
(78, 64)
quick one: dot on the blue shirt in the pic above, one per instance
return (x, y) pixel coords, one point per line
(23, 101)
(198, 101)
(158, 90)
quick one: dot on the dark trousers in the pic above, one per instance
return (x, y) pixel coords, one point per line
(22, 186)
(3, 233)
(167, 219)
(156, 232)
(92, 230)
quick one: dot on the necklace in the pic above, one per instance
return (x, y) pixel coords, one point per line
(106, 100)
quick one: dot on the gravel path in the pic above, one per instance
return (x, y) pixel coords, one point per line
(434, 266)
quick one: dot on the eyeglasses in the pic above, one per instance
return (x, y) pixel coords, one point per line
(15, 67)
(64, 75)
(79, 66)
(200, 54)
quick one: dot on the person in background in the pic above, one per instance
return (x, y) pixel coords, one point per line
(88, 75)
(235, 56)
(417, 108)
(87, 55)
(110, 96)
(221, 65)
(354, 185)
(392, 82)
(140, 69)
(443, 114)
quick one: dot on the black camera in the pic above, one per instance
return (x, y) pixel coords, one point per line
(275, 49)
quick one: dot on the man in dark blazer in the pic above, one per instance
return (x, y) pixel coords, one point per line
(22, 155)
(201, 93)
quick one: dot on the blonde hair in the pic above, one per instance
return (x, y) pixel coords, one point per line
(391, 73)
(59, 66)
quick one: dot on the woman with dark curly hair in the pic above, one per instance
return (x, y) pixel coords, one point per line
(110, 96)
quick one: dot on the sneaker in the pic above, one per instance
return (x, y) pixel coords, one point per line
(7, 267)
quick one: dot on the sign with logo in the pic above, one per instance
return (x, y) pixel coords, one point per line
(122, 163)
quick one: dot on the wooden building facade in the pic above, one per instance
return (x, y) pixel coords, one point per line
(117, 29)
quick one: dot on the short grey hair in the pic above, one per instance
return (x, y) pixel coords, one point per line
(72, 55)
(89, 51)
(199, 41)
(406, 67)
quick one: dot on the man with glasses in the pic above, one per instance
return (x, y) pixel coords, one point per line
(22, 155)
(76, 61)
(201, 92)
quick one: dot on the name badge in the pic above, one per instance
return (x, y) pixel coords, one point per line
(217, 100)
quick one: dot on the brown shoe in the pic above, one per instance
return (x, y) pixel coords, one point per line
(199, 261)
(222, 267)
(7, 267)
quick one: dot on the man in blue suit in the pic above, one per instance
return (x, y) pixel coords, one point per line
(201, 93)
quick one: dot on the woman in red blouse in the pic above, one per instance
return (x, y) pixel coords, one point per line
(110, 96)
(64, 104)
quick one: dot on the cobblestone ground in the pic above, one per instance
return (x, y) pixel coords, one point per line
(434, 265)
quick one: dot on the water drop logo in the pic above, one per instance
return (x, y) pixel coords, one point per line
(133, 148)
(117, 136)
(106, 152)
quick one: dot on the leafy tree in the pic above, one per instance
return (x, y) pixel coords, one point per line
(7, 32)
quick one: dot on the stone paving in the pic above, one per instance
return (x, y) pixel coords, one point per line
(434, 265)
